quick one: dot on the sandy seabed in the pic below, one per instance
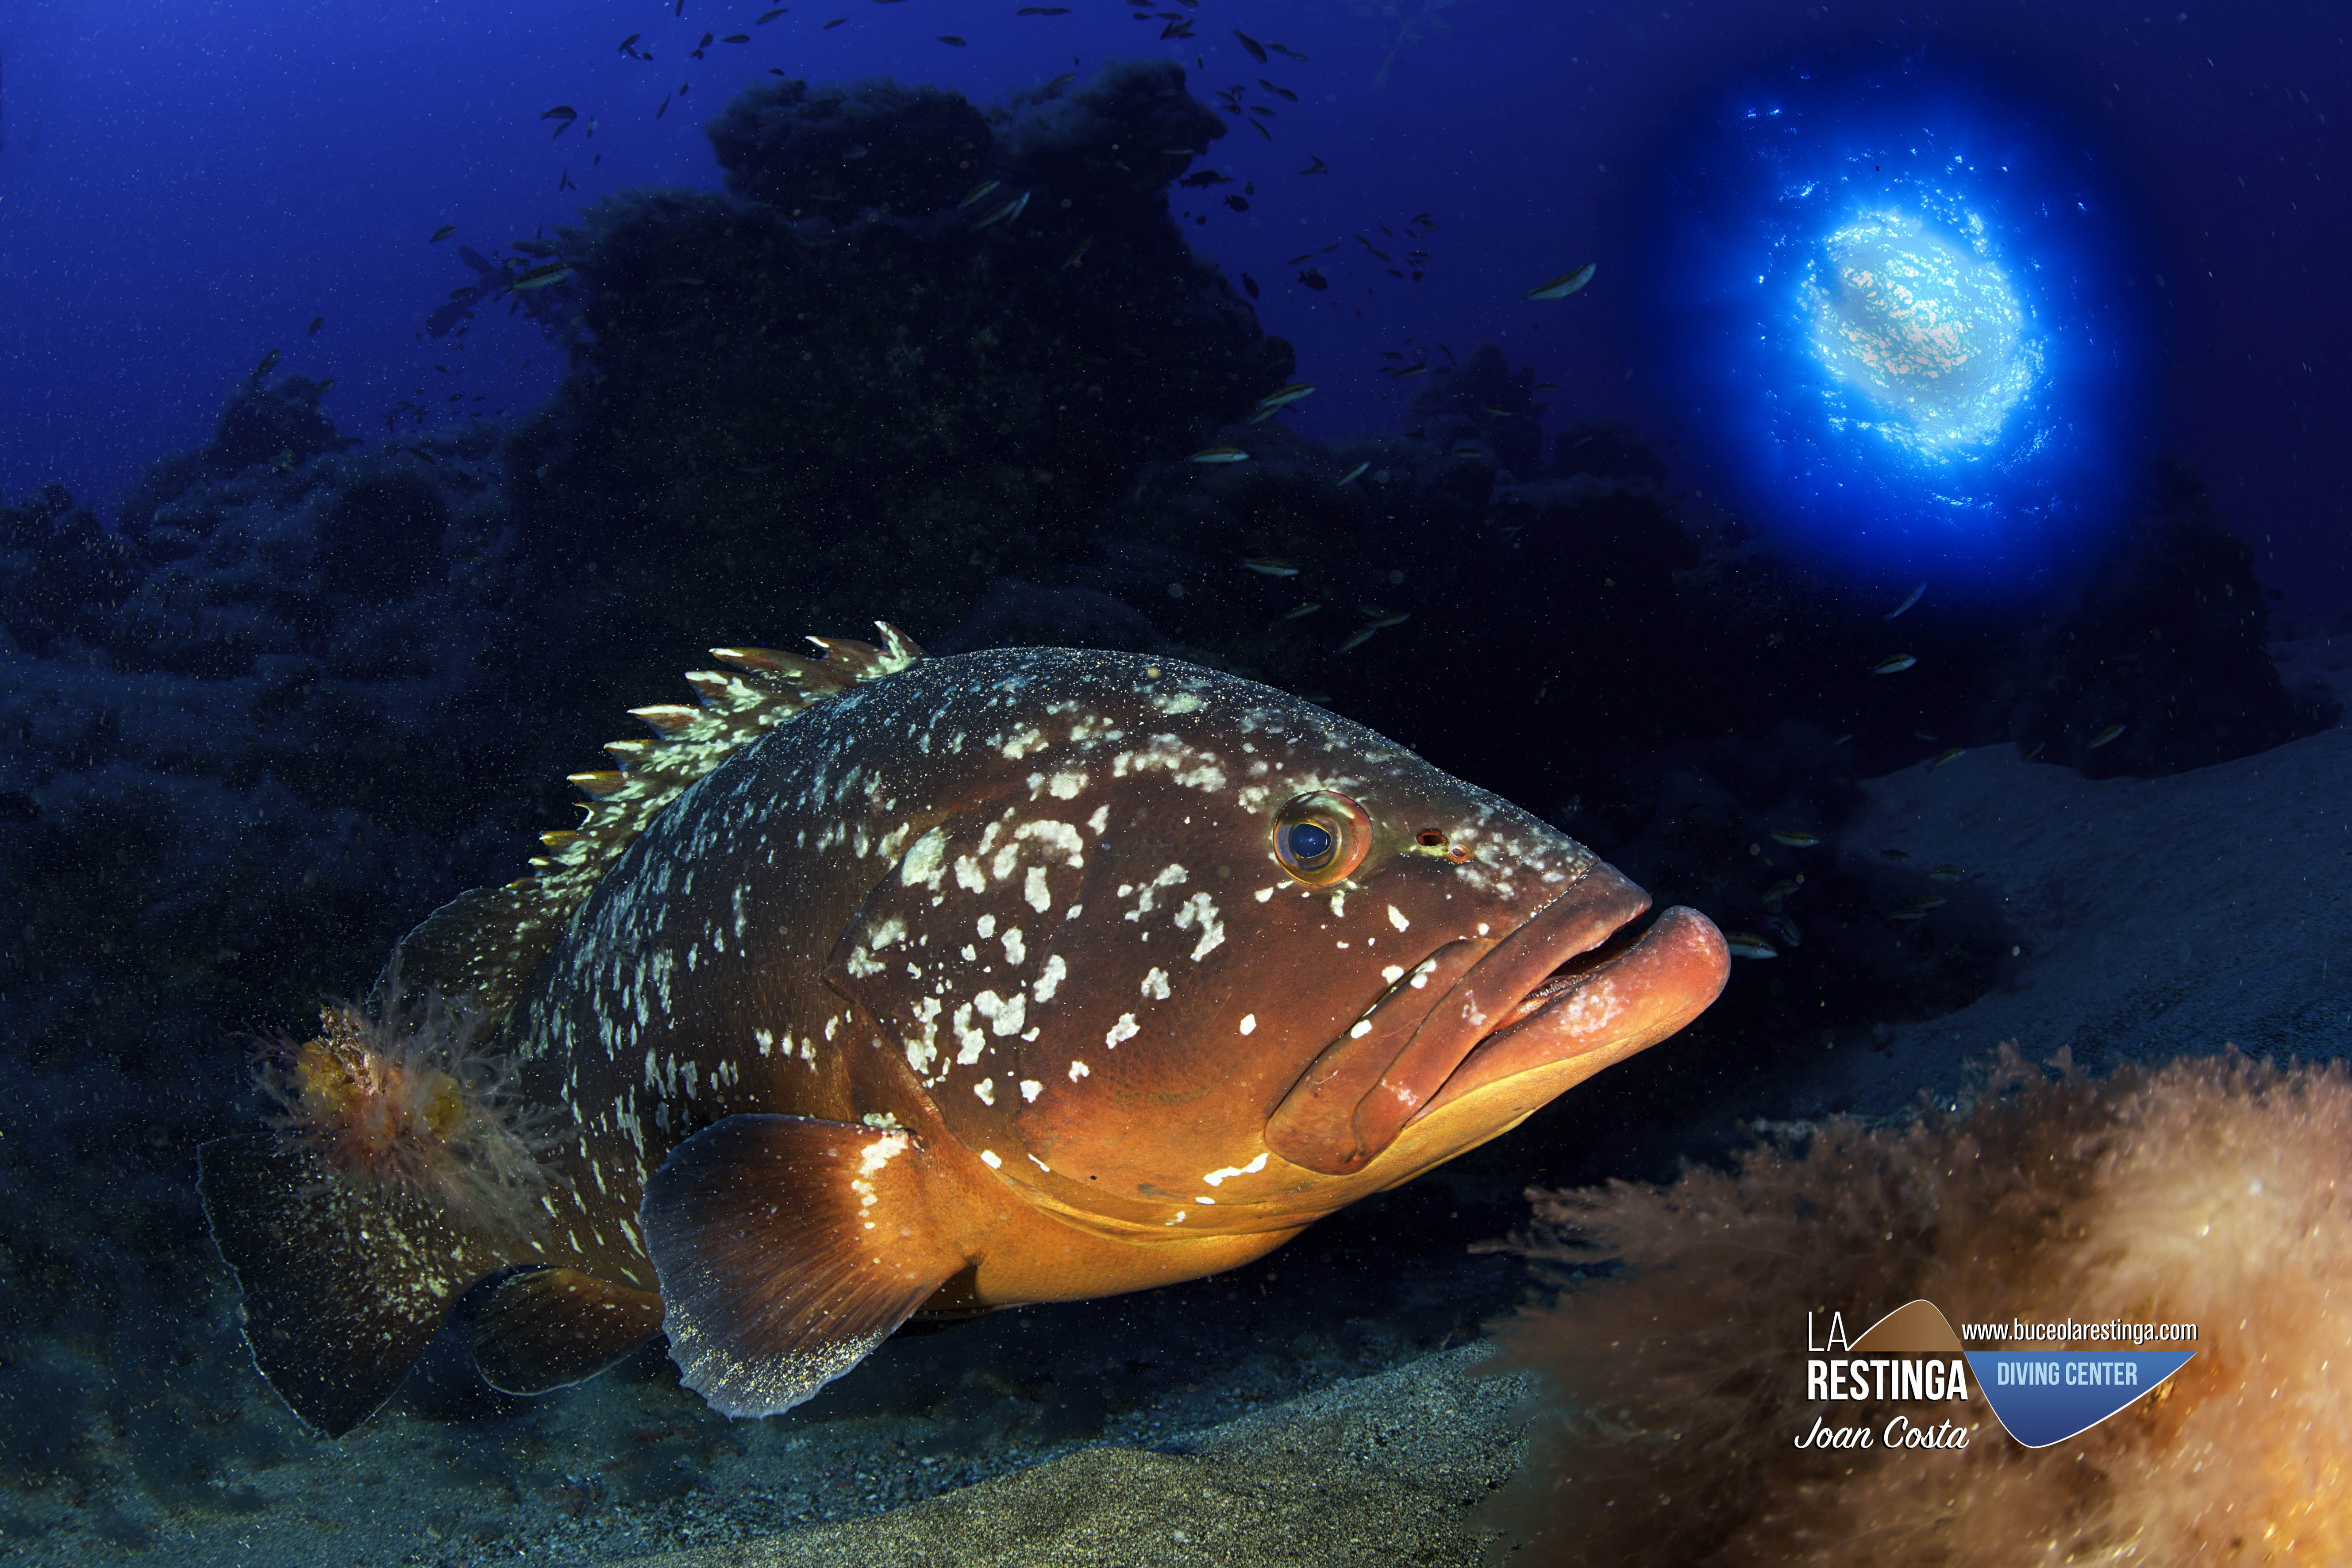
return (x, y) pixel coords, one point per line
(1329, 1405)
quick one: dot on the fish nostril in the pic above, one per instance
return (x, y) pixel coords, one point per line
(1431, 838)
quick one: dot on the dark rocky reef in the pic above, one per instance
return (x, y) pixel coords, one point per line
(252, 739)
(841, 392)
(2166, 639)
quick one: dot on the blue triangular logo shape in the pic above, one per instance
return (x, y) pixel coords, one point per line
(2042, 1397)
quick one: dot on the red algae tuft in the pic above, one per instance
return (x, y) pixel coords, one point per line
(415, 1100)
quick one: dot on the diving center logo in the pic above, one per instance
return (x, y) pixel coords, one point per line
(2040, 1396)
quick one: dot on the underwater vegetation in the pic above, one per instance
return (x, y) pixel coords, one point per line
(411, 1100)
(2209, 1191)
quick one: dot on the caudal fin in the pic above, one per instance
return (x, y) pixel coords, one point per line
(343, 1282)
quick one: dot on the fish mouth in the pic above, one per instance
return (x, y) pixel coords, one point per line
(1576, 987)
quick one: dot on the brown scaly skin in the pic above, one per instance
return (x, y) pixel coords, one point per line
(781, 873)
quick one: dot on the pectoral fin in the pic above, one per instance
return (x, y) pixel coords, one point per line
(539, 1328)
(787, 1249)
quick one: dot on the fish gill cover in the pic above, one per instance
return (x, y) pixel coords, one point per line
(1899, 300)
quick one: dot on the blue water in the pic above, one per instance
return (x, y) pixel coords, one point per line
(183, 189)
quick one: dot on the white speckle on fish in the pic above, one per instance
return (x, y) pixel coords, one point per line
(1004, 1016)
(1078, 1070)
(1155, 985)
(1126, 1028)
(1199, 910)
(1217, 1178)
(1058, 836)
(1050, 979)
(1249, 1023)
(988, 1158)
(1396, 919)
(1030, 1090)
(971, 1042)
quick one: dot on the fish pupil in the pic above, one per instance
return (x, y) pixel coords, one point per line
(1310, 844)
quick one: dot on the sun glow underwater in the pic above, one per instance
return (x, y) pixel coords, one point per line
(1903, 311)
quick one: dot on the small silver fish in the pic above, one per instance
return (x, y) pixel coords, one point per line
(1298, 612)
(1219, 455)
(1272, 566)
(1917, 909)
(1357, 637)
(1562, 286)
(1893, 664)
(1393, 618)
(1785, 929)
(1895, 854)
(1909, 599)
(2111, 732)
(973, 197)
(1948, 754)
(1291, 393)
(1747, 944)
(1796, 837)
(1004, 214)
(1947, 872)
(1355, 473)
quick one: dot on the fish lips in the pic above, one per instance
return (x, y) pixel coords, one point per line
(1567, 989)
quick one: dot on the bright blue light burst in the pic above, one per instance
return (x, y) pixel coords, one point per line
(1902, 310)
(1923, 328)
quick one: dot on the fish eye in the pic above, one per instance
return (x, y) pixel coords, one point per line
(1309, 845)
(1321, 836)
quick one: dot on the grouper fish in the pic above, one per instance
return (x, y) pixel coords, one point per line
(877, 985)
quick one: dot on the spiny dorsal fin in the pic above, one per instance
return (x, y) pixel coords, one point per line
(485, 945)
